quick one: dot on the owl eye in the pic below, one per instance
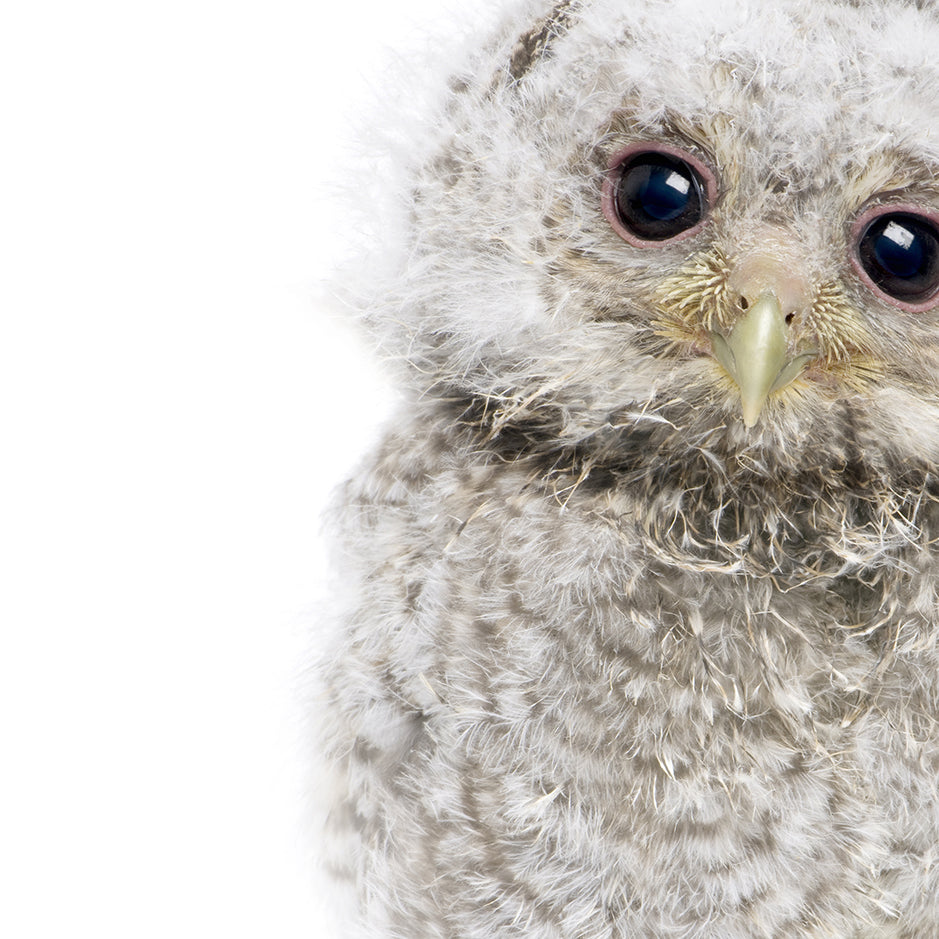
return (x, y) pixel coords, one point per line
(657, 194)
(897, 254)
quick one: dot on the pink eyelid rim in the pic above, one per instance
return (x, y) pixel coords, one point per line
(607, 199)
(857, 230)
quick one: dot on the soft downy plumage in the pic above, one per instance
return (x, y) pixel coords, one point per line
(622, 656)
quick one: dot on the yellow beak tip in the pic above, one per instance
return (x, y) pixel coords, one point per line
(751, 409)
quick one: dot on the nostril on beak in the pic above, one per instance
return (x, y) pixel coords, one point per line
(744, 304)
(772, 263)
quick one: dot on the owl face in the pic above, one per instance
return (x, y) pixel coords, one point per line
(709, 227)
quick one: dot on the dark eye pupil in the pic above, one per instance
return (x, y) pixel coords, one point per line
(900, 253)
(663, 193)
(658, 196)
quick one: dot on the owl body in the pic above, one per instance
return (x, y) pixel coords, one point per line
(633, 649)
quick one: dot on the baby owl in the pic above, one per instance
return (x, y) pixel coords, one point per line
(641, 589)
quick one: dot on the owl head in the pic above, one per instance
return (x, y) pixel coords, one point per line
(666, 232)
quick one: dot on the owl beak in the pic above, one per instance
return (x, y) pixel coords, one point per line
(756, 355)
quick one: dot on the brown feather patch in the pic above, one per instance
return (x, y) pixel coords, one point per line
(536, 43)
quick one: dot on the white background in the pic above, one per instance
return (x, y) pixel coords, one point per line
(174, 408)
